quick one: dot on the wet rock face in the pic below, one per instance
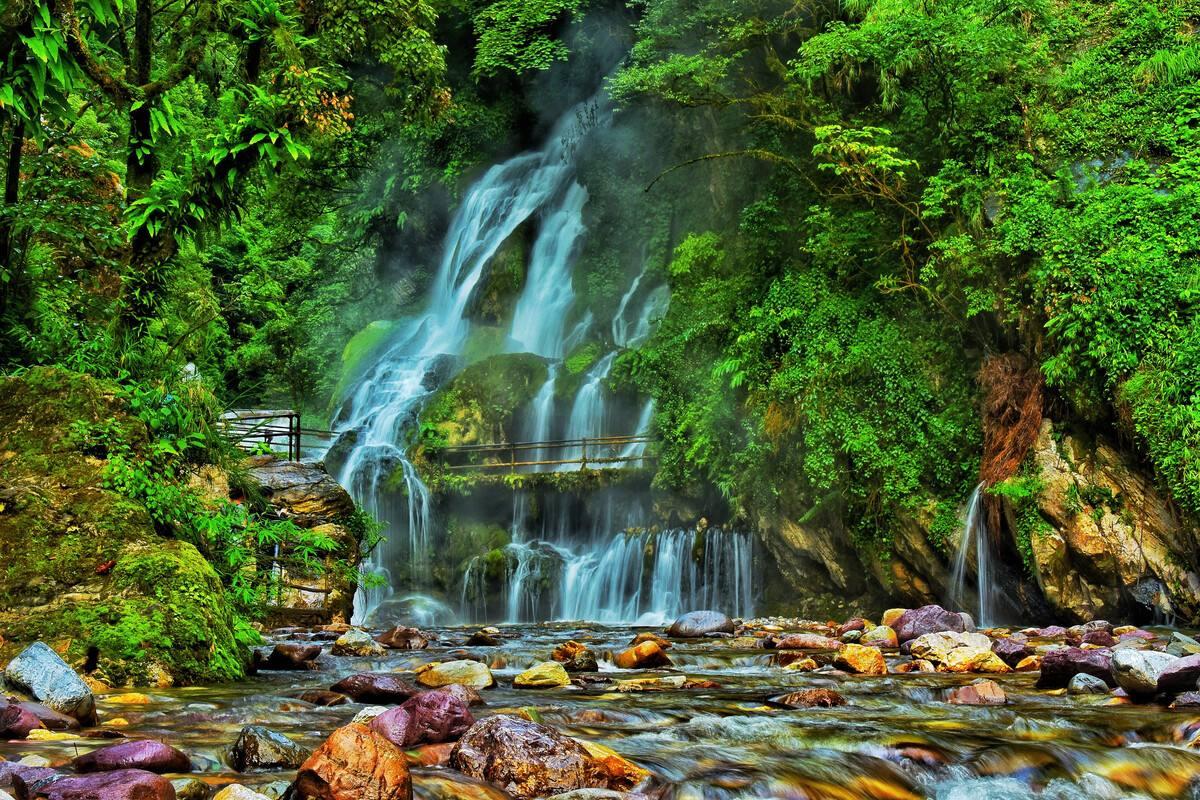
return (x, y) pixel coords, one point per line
(1111, 534)
(147, 754)
(575, 657)
(261, 748)
(929, 619)
(355, 763)
(1138, 671)
(431, 717)
(695, 624)
(125, 784)
(524, 758)
(16, 722)
(375, 687)
(1059, 666)
(285, 657)
(40, 671)
(402, 638)
(307, 492)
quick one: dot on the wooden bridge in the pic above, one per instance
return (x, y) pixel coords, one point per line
(550, 456)
(281, 431)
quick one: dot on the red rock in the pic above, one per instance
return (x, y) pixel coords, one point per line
(429, 718)
(1180, 676)
(123, 784)
(1059, 666)
(355, 763)
(17, 722)
(810, 698)
(142, 754)
(983, 693)
(856, 624)
(401, 638)
(375, 687)
(806, 641)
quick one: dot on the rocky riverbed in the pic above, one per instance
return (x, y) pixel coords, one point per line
(913, 705)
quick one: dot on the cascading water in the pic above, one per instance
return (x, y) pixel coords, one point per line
(976, 542)
(381, 411)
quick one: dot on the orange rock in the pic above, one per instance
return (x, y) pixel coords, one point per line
(648, 636)
(983, 693)
(1029, 664)
(621, 773)
(567, 652)
(430, 755)
(355, 763)
(861, 660)
(646, 655)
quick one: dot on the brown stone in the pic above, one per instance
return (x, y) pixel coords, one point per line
(806, 641)
(810, 698)
(983, 693)
(401, 638)
(355, 763)
(861, 660)
(647, 655)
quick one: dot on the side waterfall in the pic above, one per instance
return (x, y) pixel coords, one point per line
(975, 541)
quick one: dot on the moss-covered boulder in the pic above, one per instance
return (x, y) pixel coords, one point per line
(83, 567)
(480, 405)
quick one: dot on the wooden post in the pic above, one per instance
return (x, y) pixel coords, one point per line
(583, 454)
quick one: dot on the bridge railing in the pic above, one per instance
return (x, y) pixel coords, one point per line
(614, 451)
(278, 430)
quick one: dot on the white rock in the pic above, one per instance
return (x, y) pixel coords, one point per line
(1137, 671)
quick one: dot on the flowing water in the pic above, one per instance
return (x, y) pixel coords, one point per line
(974, 550)
(896, 739)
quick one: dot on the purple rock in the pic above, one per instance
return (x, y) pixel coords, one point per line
(1011, 650)
(1100, 638)
(928, 619)
(53, 720)
(17, 722)
(375, 687)
(11, 770)
(1052, 632)
(429, 718)
(1059, 666)
(125, 784)
(142, 754)
(1181, 676)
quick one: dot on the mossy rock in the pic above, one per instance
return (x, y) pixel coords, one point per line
(480, 405)
(356, 351)
(83, 566)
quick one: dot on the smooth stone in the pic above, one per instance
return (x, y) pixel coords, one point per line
(124, 784)
(647, 655)
(17, 722)
(547, 675)
(468, 673)
(402, 638)
(1063, 663)
(40, 671)
(375, 687)
(1086, 684)
(262, 748)
(1180, 676)
(323, 697)
(235, 791)
(861, 660)
(431, 717)
(981, 693)
(287, 657)
(142, 754)
(880, 636)
(481, 639)
(356, 642)
(806, 641)
(696, 624)
(929, 619)
(1137, 671)
(355, 763)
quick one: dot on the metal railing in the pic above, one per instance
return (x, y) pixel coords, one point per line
(585, 452)
(276, 430)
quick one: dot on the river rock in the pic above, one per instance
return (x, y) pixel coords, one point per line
(810, 698)
(429, 718)
(366, 715)
(355, 763)
(375, 687)
(1099, 638)
(51, 719)
(647, 655)
(980, 693)
(1137, 671)
(696, 624)
(599, 794)
(861, 660)
(11, 770)
(262, 748)
(40, 671)
(651, 636)
(929, 619)
(806, 641)
(1012, 650)
(190, 789)
(402, 638)
(291, 656)
(619, 773)
(465, 693)
(1187, 700)
(524, 758)
(16, 722)
(1063, 663)
(356, 642)
(547, 675)
(575, 657)
(482, 639)
(323, 697)
(1083, 683)
(123, 784)
(144, 754)
(1180, 676)
(236, 791)
(468, 673)
(857, 624)
(880, 636)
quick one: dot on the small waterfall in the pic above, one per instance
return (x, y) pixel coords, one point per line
(634, 452)
(976, 542)
(588, 411)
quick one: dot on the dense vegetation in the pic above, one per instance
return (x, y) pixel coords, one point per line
(855, 204)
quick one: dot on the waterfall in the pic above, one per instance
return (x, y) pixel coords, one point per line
(974, 541)
(379, 414)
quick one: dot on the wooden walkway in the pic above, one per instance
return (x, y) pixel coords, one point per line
(550, 456)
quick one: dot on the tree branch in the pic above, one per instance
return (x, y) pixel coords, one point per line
(121, 92)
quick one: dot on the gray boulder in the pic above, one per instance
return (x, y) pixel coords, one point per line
(695, 624)
(1083, 683)
(261, 748)
(39, 671)
(1137, 671)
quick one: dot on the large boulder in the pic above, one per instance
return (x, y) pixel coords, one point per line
(468, 673)
(288, 656)
(695, 624)
(354, 763)
(375, 687)
(403, 638)
(525, 759)
(431, 717)
(1062, 664)
(261, 748)
(143, 754)
(647, 655)
(929, 619)
(124, 784)
(1137, 671)
(40, 671)
(1180, 676)
(307, 493)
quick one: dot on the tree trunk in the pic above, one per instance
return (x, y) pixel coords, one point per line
(141, 166)
(14, 289)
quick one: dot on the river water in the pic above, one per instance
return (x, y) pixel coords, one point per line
(896, 737)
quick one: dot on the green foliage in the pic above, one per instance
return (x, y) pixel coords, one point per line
(517, 35)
